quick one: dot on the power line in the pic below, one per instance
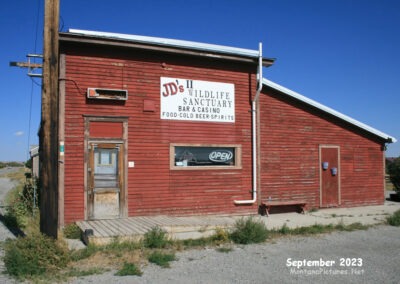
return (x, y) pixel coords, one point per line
(32, 83)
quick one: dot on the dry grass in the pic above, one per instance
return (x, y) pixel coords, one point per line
(18, 174)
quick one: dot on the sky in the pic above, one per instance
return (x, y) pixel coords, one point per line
(344, 54)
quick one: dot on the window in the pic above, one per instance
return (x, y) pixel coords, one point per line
(195, 156)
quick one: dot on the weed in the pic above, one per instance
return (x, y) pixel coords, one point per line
(351, 227)
(84, 253)
(312, 210)
(22, 204)
(249, 231)
(284, 230)
(314, 229)
(73, 272)
(200, 242)
(156, 238)
(220, 236)
(129, 269)
(35, 254)
(394, 220)
(161, 259)
(224, 249)
(72, 231)
(121, 246)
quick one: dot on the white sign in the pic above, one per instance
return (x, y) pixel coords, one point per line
(184, 99)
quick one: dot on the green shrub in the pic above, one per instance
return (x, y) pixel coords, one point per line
(32, 255)
(129, 269)
(22, 202)
(156, 238)
(394, 220)
(249, 231)
(161, 259)
(72, 231)
(393, 169)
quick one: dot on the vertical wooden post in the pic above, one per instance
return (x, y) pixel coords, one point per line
(49, 123)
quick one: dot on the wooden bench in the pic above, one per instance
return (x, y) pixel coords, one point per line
(266, 205)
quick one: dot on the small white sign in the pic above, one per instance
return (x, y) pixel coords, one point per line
(184, 99)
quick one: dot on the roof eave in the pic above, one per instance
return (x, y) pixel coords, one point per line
(165, 45)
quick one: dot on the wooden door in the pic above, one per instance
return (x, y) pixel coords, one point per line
(105, 173)
(330, 176)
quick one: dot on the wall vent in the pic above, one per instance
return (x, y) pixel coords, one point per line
(107, 94)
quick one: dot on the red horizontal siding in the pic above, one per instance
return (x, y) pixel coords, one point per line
(105, 129)
(152, 187)
(291, 134)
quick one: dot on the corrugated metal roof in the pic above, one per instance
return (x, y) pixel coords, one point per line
(329, 110)
(170, 42)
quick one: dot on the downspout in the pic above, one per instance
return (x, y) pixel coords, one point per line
(254, 131)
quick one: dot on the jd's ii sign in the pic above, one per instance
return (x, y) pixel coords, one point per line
(184, 99)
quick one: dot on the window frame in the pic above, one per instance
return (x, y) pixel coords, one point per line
(236, 166)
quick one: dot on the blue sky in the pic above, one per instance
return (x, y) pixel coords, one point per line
(344, 54)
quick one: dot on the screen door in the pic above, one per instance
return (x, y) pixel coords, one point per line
(105, 181)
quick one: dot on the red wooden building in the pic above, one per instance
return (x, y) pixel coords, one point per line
(152, 126)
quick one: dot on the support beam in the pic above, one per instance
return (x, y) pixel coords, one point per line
(25, 64)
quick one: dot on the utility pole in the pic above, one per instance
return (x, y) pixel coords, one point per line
(48, 149)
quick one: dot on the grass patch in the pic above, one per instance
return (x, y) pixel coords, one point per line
(351, 227)
(161, 259)
(73, 272)
(188, 243)
(224, 249)
(72, 231)
(116, 248)
(18, 175)
(84, 253)
(129, 269)
(34, 255)
(22, 209)
(317, 229)
(394, 220)
(156, 238)
(247, 231)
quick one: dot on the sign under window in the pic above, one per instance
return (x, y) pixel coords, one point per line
(204, 156)
(185, 99)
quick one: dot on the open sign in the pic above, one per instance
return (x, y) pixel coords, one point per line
(220, 156)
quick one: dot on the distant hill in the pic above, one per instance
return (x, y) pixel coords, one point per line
(11, 164)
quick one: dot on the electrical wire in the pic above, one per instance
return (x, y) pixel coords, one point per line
(33, 82)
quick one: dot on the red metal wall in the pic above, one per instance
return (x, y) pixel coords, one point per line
(152, 187)
(291, 134)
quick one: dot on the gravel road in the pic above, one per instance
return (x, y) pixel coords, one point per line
(370, 256)
(5, 186)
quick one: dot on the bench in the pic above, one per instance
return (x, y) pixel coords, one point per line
(266, 205)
